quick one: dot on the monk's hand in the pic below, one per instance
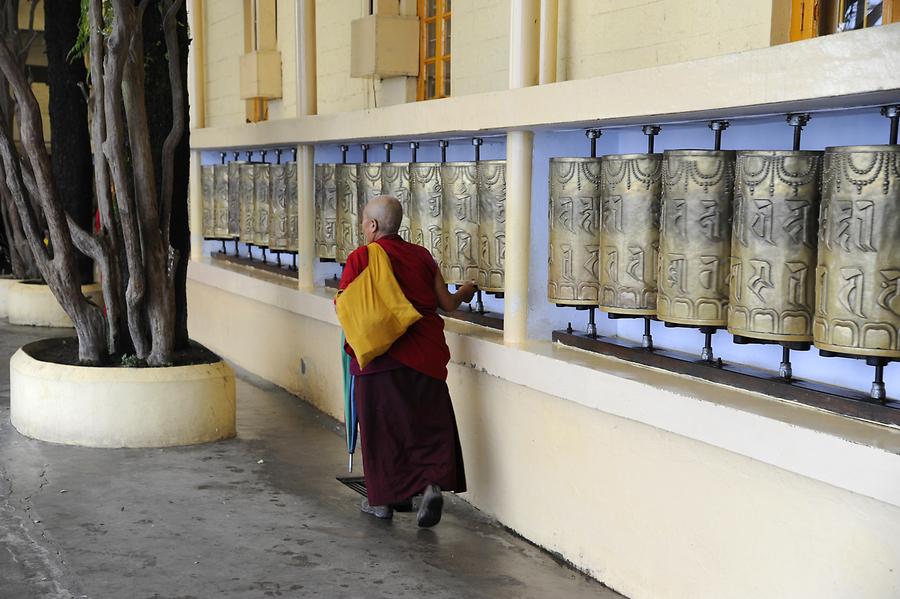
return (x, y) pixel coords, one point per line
(467, 291)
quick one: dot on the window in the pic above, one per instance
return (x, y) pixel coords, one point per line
(811, 18)
(434, 49)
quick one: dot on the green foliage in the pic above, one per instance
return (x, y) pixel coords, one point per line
(132, 361)
(83, 41)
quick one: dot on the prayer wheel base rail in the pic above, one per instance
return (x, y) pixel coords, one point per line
(492, 320)
(285, 270)
(832, 398)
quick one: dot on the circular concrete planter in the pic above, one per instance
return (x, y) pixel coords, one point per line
(33, 304)
(120, 407)
(5, 285)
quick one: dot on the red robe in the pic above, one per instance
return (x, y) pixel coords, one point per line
(407, 426)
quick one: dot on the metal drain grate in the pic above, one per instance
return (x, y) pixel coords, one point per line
(356, 483)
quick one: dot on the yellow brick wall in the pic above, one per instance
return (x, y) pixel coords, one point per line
(224, 22)
(480, 46)
(596, 37)
(337, 91)
(287, 105)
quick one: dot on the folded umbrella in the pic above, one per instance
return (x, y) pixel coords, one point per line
(351, 422)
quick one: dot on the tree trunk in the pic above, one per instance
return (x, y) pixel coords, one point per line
(159, 116)
(70, 141)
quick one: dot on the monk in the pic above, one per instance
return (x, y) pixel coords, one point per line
(410, 443)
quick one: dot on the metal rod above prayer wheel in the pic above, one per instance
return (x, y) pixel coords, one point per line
(413, 150)
(443, 145)
(892, 113)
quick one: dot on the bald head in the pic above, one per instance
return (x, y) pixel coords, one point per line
(386, 212)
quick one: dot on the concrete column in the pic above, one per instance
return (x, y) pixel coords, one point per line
(524, 42)
(523, 72)
(197, 103)
(305, 36)
(519, 145)
(195, 206)
(549, 37)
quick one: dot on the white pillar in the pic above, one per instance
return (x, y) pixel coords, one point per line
(195, 206)
(197, 104)
(519, 145)
(523, 72)
(524, 40)
(305, 39)
(549, 37)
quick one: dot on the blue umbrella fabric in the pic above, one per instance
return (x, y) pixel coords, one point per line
(351, 421)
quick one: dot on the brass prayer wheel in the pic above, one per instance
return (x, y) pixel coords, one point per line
(208, 186)
(234, 198)
(292, 207)
(261, 206)
(326, 212)
(460, 209)
(695, 237)
(347, 189)
(631, 186)
(247, 201)
(858, 274)
(220, 221)
(491, 186)
(573, 263)
(279, 230)
(426, 215)
(773, 245)
(395, 182)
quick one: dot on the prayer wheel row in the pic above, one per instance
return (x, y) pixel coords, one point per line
(729, 239)
(253, 202)
(455, 209)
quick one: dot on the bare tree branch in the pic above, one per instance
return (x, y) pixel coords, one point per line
(26, 47)
(118, 46)
(170, 28)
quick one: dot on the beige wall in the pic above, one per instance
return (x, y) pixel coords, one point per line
(224, 46)
(480, 46)
(338, 92)
(596, 37)
(224, 22)
(649, 512)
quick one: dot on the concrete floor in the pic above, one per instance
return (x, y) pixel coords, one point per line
(257, 516)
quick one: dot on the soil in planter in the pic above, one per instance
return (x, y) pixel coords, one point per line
(64, 350)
